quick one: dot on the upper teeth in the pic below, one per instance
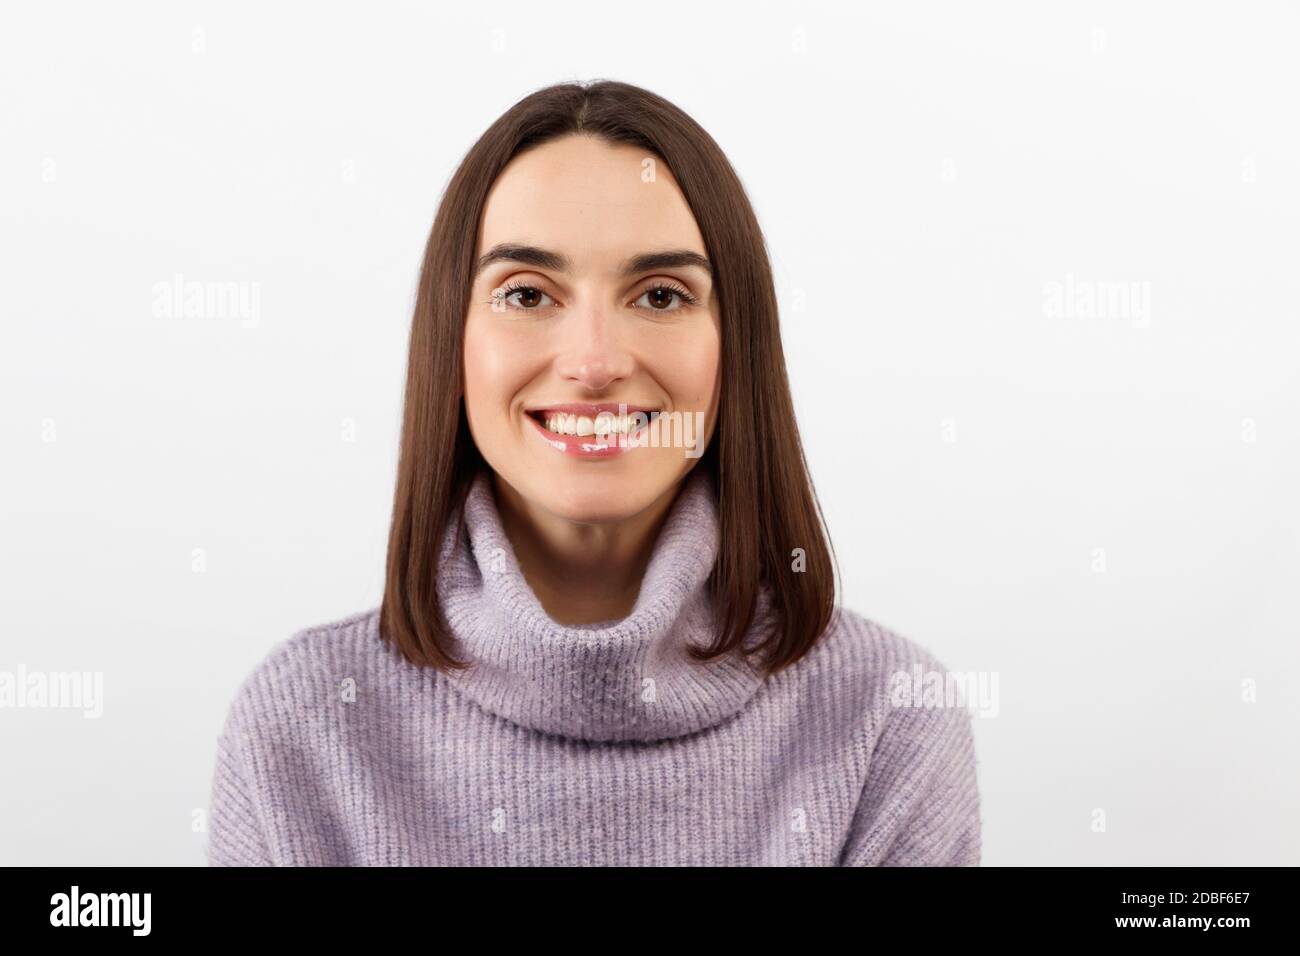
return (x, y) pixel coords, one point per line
(562, 423)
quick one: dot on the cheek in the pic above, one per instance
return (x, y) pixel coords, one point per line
(491, 376)
(689, 369)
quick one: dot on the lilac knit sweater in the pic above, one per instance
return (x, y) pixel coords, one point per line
(594, 745)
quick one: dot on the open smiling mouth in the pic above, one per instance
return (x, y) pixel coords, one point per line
(592, 430)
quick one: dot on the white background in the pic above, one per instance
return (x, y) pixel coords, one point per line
(923, 174)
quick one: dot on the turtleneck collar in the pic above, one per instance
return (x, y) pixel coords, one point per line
(620, 680)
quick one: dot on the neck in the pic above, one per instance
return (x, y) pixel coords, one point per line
(581, 573)
(630, 677)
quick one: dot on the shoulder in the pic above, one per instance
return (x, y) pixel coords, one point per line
(919, 802)
(868, 655)
(890, 685)
(305, 670)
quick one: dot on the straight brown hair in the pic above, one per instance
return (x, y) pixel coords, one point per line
(767, 507)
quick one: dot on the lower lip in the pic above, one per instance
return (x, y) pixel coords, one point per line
(587, 446)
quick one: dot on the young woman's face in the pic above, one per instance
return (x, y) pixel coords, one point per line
(564, 314)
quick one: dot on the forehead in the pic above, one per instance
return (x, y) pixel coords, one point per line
(594, 201)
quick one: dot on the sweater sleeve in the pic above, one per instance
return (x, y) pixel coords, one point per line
(920, 803)
(235, 834)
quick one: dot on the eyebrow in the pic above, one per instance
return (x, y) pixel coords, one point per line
(545, 259)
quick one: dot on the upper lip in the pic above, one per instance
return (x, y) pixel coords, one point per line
(590, 409)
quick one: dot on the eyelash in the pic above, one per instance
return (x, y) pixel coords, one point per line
(502, 295)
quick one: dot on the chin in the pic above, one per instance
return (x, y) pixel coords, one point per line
(596, 498)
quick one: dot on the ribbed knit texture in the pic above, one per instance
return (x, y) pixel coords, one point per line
(589, 745)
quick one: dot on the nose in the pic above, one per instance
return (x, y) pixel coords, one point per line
(592, 352)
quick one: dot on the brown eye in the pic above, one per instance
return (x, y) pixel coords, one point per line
(665, 298)
(525, 297)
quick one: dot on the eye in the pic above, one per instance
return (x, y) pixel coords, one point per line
(530, 298)
(659, 298)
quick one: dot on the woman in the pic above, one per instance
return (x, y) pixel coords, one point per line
(609, 633)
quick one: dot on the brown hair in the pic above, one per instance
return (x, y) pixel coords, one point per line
(766, 503)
